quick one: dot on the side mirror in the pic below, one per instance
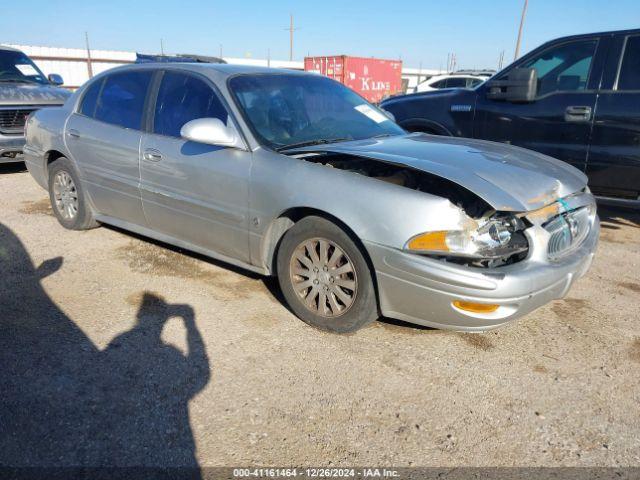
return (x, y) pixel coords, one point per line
(212, 132)
(55, 79)
(520, 86)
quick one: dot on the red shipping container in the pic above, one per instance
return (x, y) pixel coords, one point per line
(373, 78)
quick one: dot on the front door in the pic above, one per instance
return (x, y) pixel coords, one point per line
(104, 137)
(191, 191)
(558, 122)
(614, 156)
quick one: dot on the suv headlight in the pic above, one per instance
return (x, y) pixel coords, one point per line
(492, 238)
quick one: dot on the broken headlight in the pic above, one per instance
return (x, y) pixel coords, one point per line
(498, 237)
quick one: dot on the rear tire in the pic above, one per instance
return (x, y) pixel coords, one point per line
(325, 277)
(68, 198)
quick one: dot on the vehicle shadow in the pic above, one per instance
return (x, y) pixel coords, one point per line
(66, 403)
(270, 282)
(613, 218)
(17, 167)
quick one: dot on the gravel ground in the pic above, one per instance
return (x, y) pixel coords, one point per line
(118, 350)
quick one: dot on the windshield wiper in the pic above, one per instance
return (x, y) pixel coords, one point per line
(18, 80)
(383, 135)
(309, 143)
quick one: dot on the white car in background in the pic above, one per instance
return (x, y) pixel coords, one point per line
(449, 81)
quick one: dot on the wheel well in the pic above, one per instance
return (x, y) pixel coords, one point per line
(288, 218)
(285, 221)
(50, 157)
(425, 126)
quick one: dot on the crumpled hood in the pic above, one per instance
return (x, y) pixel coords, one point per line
(508, 178)
(30, 94)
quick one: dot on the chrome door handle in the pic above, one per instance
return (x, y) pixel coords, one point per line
(73, 133)
(577, 114)
(152, 155)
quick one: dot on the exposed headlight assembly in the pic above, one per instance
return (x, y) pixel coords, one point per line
(487, 239)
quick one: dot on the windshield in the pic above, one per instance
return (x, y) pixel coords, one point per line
(289, 110)
(16, 67)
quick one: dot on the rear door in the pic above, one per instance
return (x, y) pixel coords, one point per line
(104, 137)
(191, 191)
(614, 155)
(558, 122)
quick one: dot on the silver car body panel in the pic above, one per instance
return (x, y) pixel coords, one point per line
(508, 178)
(235, 205)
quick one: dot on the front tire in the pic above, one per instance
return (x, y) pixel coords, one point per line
(68, 198)
(325, 277)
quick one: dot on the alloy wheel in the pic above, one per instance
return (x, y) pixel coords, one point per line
(65, 195)
(323, 277)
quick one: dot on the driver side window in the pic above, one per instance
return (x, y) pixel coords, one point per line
(182, 98)
(565, 67)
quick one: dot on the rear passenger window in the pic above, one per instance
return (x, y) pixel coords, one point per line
(456, 82)
(122, 99)
(90, 99)
(629, 78)
(182, 98)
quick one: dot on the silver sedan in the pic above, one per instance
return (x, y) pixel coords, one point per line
(292, 174)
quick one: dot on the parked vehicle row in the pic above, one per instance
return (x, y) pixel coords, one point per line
(575, 98)
(23, 90)
(293, 174)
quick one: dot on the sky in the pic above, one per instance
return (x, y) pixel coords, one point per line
(420, 33)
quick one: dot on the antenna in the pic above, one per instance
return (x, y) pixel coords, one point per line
(524, 12)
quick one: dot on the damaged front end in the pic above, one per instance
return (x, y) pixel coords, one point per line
(491, 241)
(483, 237)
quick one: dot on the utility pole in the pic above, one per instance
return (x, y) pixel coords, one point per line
(161, 47)
(89, 66)
(268, 57)
(220, 52)
(524, 12)
(291, 30)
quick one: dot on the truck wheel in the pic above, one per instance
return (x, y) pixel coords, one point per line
(68, 199)
(325, 278)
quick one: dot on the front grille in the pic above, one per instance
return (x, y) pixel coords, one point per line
(12, 120)
(567, 231)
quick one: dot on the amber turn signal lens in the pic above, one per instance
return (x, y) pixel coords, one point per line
(429, 241)
(475, 307)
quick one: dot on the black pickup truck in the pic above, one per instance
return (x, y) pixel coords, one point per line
(575, 98)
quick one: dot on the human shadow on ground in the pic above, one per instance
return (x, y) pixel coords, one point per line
(65, 403)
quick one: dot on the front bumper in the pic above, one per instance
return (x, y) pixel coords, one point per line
(11, 148)
(422, 290)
